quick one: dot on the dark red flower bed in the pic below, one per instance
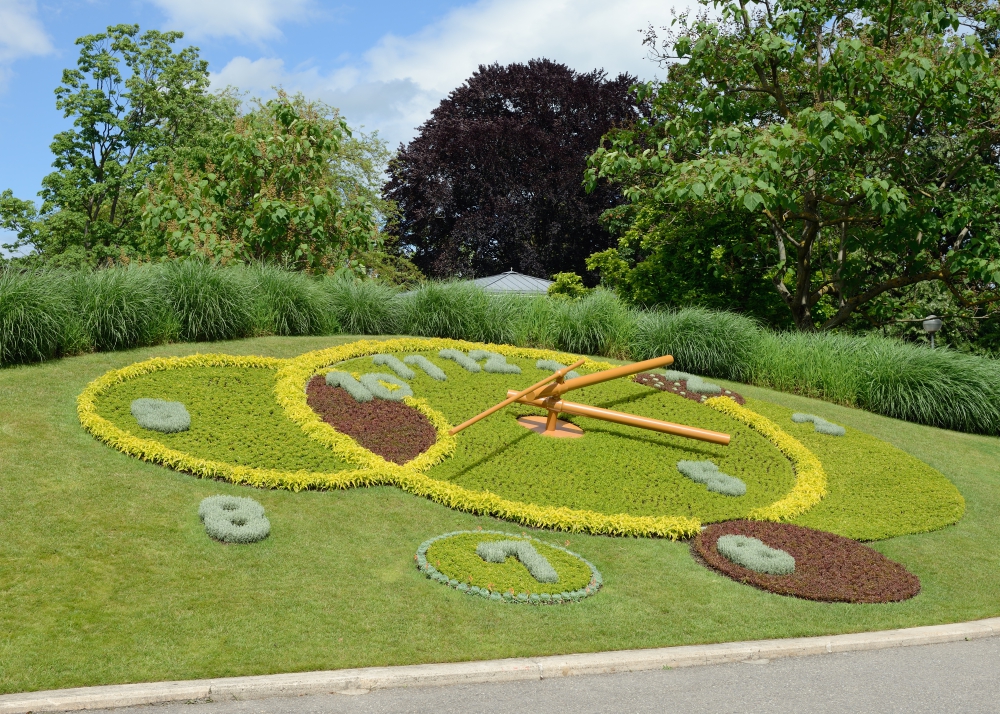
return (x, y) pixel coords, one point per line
(393, 430)
(658, 381)
(828, 567)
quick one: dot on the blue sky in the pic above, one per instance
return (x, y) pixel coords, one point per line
(385, 63)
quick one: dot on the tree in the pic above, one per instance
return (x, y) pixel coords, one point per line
(286, 183)
(864, 133)
(135, 104)
(493, 180)
(689, 255)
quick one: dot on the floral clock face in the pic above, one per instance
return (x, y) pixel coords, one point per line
(378, 412)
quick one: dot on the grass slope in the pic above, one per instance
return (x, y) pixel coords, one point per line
(107, 576)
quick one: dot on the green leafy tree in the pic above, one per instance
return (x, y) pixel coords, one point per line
(693, 254)
(136, 103)
(273, 189)
(864, 133)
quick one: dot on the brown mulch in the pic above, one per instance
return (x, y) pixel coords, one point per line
(828, 567)
(395, 431)
(679, 387)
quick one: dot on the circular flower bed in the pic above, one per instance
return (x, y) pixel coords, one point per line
(504, 567)
(828, 567)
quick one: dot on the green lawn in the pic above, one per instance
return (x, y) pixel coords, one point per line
(106, 574)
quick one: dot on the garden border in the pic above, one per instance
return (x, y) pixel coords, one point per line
(498, 670)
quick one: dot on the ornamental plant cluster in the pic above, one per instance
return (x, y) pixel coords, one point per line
(231, 519)
(45, 315)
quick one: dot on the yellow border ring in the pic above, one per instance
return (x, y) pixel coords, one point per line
(809, 488)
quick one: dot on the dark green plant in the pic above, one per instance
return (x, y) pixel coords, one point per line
(289, 302)
(362, 307)
(35, 312)
(121, 308)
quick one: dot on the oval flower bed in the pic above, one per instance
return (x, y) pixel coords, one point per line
(828, 567)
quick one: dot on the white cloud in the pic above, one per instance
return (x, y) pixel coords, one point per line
(21, 35)
(253, 20)
(401, 79)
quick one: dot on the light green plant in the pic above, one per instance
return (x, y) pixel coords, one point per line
(395, 365)
(232, 519)
(355, 388)
(708, 473)
(497, 551)
(755, 555)
(821, 425)
(160, 415)
(432, 370)
(373, 382)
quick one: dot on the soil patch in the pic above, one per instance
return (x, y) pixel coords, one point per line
(828, 567)
(393, 430)
(679, 387)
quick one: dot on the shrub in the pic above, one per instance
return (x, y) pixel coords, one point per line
(231, 519)
(120, 308)
(158, 415)
(362, 307)
(754, 555)
(289, 303)
(34, 315)
(210, 303)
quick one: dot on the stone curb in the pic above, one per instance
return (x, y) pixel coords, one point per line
(500, 670)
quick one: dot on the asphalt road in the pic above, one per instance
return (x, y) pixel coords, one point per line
(954, 677)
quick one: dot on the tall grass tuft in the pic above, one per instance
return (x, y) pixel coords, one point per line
(362, 307)
(460, 311)
(34, 315)
(716, 344)
(289, 303)
(119, 308)
(209, 303)
(598, 324)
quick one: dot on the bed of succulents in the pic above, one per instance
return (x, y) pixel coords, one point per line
(379, 412)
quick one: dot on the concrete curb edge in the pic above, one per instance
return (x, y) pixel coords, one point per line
(500, 670)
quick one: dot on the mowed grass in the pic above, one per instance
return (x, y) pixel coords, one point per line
(106, 575)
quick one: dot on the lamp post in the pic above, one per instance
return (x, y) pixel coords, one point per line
(931, 324)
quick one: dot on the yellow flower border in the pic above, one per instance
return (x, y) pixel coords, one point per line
(291, 379)
(810, 478)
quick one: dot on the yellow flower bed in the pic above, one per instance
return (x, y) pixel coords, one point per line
(810, 478)
(294, 374)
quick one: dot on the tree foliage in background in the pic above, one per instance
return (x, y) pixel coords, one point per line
(493, 179)
(864, 133)
(135, 103)
(687, 255)
(284, 184)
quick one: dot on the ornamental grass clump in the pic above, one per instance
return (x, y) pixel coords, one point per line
(362, 307)
(395, 365)
(463, 360)
(210, 303)
(352, 386)
(497, 551)
(495, 363)
(755, 555)
(35, 312)
(231, 519)
(159, 415)
(708, 473)
(375, 383)
(432, 370)
(288, 303)
(121, 308)
(821, 425)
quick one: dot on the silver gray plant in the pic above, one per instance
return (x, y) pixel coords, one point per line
(497, 551)
(372, 382)
(819, 424)
(353, 387)
(162, 416)
(755, 555)
(232, 519)
(395, 365)
(708, 473)
(461, 358)
(432, 370)
(553, 366)
(495, 363)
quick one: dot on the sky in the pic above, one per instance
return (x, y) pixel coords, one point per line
(385, 63)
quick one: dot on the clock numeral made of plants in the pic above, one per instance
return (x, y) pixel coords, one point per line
(408, 413)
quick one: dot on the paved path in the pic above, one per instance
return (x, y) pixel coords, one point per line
(954, 677)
